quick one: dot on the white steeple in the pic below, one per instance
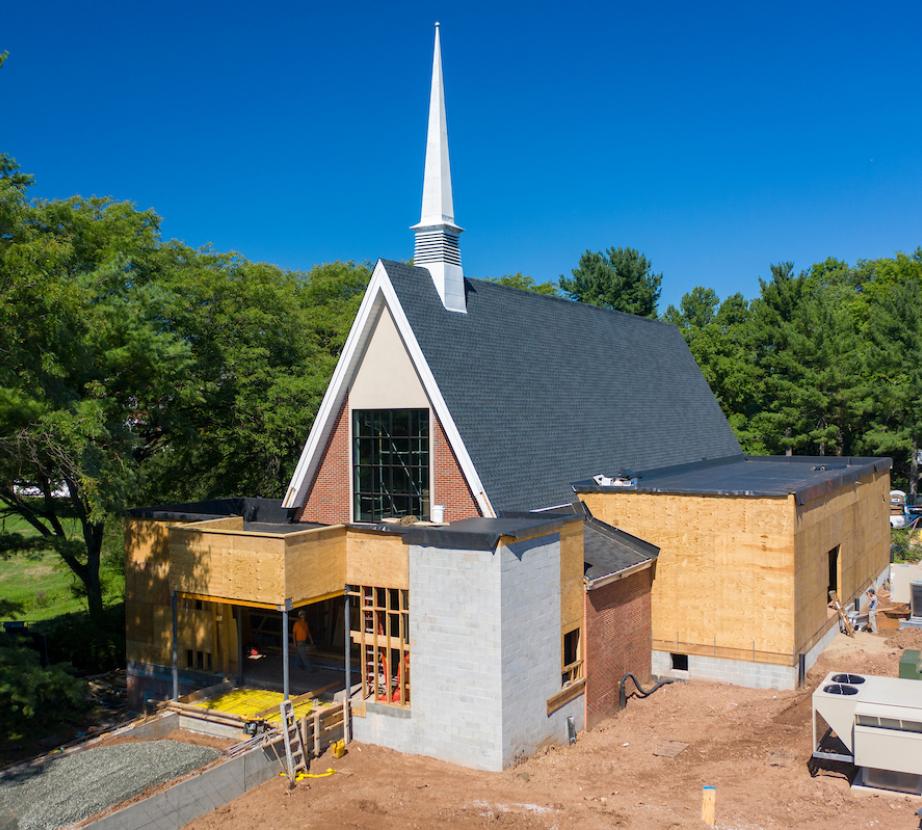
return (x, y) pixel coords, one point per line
(437, 247)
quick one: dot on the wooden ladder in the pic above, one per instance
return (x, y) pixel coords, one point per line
(847, 626)
(295, 756)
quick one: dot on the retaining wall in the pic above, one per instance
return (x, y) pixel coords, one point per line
(176, 806)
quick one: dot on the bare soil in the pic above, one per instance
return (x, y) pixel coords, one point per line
(753, 745)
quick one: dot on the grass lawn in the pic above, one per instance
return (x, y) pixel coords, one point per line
(38, 585)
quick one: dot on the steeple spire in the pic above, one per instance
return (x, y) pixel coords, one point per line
(437, 234)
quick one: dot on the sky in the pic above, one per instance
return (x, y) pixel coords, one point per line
(717, 138)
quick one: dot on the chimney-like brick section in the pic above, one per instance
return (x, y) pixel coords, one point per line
(328, 499)
(619, 639)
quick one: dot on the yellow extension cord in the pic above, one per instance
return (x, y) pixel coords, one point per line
(302, 775)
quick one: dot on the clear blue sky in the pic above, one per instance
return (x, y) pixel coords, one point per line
(717, 138)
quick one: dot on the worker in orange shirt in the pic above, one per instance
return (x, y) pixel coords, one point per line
(301, 634)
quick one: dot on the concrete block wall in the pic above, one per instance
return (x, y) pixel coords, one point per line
(485, 657)
(531, 643)
(202, 792)
(455, 635)
(746, 673)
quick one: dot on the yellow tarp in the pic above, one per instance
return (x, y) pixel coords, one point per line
(247, 703)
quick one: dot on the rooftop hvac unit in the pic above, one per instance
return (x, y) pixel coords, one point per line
(874, 723)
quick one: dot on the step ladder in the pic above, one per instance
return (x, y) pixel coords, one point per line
(295, 757)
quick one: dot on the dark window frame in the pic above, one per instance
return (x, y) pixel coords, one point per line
(391, 463)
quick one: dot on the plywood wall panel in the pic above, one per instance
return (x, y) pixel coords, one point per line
(725, 574)
(228, 565)
(856, 520)
(376, 559)
(315, 563)
(571, 576)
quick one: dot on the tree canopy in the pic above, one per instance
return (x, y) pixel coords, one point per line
(621, 279)
(827, 361)
(137, 370)
(525, 283)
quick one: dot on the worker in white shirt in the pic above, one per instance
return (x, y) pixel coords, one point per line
(872, 610)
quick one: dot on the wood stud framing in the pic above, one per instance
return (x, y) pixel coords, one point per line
(383, 631)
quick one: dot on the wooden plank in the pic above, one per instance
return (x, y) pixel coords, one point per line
(564, 696)
(749, 654)
(226, 600)
(709, 806)
(380, 639)
(316, 733)
(319, 598)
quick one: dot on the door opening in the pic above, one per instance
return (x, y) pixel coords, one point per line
(833, 557)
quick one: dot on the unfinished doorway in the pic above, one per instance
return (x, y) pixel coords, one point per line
(833, 562)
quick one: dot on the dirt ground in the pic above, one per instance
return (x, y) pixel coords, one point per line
(753, 745)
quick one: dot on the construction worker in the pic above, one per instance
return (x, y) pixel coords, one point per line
(872, 610)
(302, 637)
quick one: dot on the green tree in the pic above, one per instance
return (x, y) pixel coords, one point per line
(892, 365)
(33, 697)
(696, 309)
(621, 279)
(136, 370)
(526, 283)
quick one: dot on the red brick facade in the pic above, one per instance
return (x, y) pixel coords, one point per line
(328, 499)
(450, 484)
(619, 639)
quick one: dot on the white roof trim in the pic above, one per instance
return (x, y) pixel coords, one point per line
(380, 290)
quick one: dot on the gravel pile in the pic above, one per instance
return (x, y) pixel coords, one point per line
(73, 787)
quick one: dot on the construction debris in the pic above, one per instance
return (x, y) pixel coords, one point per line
(669, 749)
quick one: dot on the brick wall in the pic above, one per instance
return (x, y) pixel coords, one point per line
(450, 484)
(328, 499)
(619, 639)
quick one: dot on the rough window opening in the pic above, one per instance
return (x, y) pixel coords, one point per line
(679, 662)
(390, 463)
(833, 562)
(383, 641)
(572, 657)
(198, 660)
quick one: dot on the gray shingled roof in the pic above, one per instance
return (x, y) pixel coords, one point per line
(608, 550)
(546, 392)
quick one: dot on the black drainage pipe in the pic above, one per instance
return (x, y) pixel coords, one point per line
(622, 690)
